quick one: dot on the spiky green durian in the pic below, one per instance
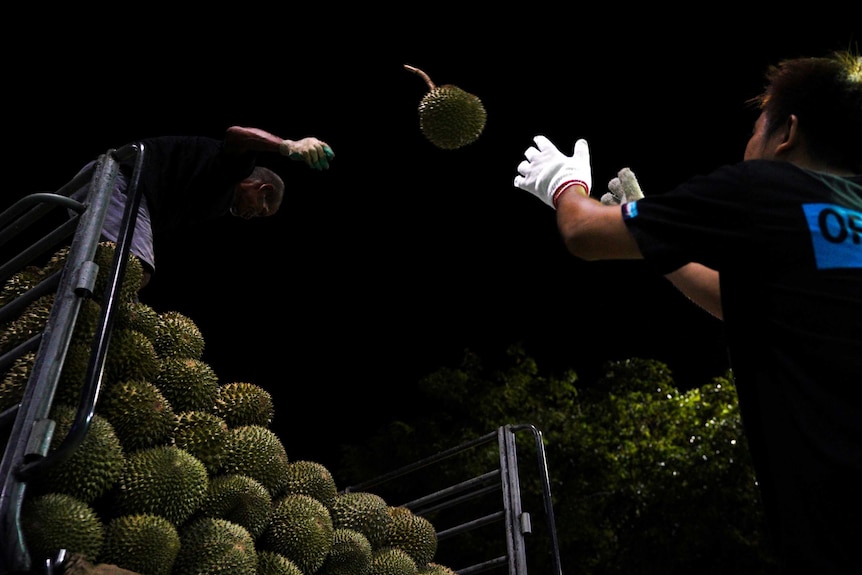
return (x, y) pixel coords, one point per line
(163, 480)
(412, 533)
(54, 521)
(311, 478)
(212, 546)
(300, 528)
(138, 316)
(104, 257)
(15, 380)
(92, 468)
(19, 283)
(74, 372)
(449, 117)
(146, 544)
(350, 554)
(362, 511)
(30, 322)
(189, 384)
(140, 413)
(240, 499)
(130, 356)
(271, 563)
(204, 435)
(242, 403)
(131, 281)
(258, 452)
(436, 569)
(392, 561)
(178, 336)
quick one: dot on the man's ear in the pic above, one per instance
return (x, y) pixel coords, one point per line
(790, 136)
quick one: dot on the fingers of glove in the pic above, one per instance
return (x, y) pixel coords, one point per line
(615, 193)
(630, 185)
(543, 143)
(608, 199)
(315, 153)
(531, 153)
(582, 158)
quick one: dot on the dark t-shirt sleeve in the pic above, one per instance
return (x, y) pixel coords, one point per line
(189, 179)
(729, 216)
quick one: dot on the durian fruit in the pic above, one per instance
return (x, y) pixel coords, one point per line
(412, 533)
(271, 563)
(436, 569)
(15, 380)
(130, 355)
(31, 322)
(19, 283)
(239, 499)
(365, 512)
(163, 480)
(449, 117)
(138, 316)
(242, 403)
(300, 529)
(350, 554)
(104, 257)
(54, 521)
(94, 466)
(258, 452)
(189, 384)
(131, 282)
(311, 478)
(140, 413)
(74, 372)
(178, 336)
(204, 435)
(392, 561)
(146, 544)
(212, 546)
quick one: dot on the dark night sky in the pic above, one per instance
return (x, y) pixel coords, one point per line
(403, 255)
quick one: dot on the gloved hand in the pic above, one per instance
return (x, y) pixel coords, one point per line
(623, 189)
(547, 172)
(315, 153)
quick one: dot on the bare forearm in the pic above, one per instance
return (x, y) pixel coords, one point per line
(700, 284)
(238, 140)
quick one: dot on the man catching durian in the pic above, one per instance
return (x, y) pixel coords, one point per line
(772, 245)
(188, 179)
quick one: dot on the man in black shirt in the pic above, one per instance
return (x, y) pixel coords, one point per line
(773, 246)
(188, 179)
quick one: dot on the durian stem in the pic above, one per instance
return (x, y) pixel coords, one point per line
(424, 76)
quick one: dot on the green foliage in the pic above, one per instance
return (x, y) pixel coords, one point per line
(645, 478)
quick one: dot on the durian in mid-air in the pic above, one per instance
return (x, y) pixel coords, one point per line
(449, 117)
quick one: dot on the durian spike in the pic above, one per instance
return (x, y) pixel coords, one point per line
(422, 74)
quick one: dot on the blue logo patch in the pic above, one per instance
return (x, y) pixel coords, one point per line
(836, 235)
(630, 210)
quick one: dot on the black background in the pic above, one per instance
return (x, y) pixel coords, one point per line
(402, 255)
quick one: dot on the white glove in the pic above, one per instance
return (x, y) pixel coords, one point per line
(315, 153)
(547, 172)
(623, 189)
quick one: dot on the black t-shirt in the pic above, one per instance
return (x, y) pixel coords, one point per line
(787, 243)
(188, 179)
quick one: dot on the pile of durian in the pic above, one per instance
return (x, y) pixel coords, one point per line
(179, 473)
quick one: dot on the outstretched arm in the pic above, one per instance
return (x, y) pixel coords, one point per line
(314, 152)
(699, 284)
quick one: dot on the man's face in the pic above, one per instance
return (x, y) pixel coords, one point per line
(253, 200)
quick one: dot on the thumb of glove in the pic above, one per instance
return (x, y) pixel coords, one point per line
(623, 189)
(630, 186)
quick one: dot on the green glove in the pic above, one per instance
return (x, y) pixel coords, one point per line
(314, 152)
(623, 189)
